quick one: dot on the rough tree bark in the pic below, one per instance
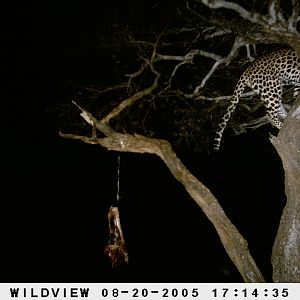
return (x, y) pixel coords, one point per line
(286, 249)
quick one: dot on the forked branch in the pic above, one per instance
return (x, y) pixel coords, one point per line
(235, 245)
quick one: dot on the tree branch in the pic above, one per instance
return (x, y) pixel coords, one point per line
(219, 98)
(188, 59)
(235, 245)
(274, 22)
(245, 14)
(274, 12)
(129, 101)
(239, 42)
(295, 18)
(286, 249)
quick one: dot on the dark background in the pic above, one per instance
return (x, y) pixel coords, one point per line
(56, 192)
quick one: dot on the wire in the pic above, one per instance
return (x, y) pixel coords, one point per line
(118, 178)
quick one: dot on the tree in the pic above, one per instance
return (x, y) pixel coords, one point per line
(227, 27)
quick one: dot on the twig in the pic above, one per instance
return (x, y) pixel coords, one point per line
(239, 42)
(253, 124)
(188, 59)
(250, 58)
(219, 98)
(132, 99)
(111, 88)
(295, 18)
(217, 33)
(129, 101)
(274, 12)
(141, 70)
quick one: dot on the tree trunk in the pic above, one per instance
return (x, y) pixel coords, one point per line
(286, 249)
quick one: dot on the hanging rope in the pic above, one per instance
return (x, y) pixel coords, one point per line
(118, 178)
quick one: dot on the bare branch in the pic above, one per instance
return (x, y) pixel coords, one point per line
(274, 22)
(273, 8)
(132, 99)
(193, 11)
(146, 62)
(188, 59)
(251, 58)
(129, 101)
(206, 54)
(174, 72)
(233, 242)
(97, 91)
(245, 14)
(219, 60)
(139, 72)
(90, 119)
(274, 27)
(169, 57)
(238, 43)
(275, 12)
(295, 18)
(189, 56)
(155, 47)
(208, 75)
(219, 98)
(217, 33)
(253, 124)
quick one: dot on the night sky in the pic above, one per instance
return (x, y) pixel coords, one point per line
(56, 192)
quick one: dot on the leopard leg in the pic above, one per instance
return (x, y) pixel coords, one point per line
(275, 110)
(271, 98)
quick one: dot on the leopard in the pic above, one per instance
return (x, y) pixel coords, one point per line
(266, 76)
